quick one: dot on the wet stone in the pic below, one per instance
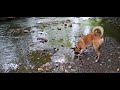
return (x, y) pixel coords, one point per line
(70, 25)
(65, 24)
(66, 71)
(62, 45)
(26, 31)
(58, 28)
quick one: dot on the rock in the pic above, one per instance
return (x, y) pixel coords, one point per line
(65, 24)
(62, 45)
(56, 49)
(53, 39)
(18, 29)
(26, 31)
(66, 71)
(70, 25)
(88, 58)
(40, 69)
(47, 68)
(108, 66)
(118, 70)
(42, 40)
(69, 66)
(118, 47)
(42, 49)
(80, 65)
(32, 31)
(109, 60)
(111, 54)
(47, 64)
(50, 54)
(73, 70)
(59, 28)
(11, 30)
(61, 68)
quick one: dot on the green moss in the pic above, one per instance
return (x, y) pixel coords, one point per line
(40, 57)
(60, 40)
(68, 44)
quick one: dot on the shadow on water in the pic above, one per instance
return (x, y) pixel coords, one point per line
(48, 40)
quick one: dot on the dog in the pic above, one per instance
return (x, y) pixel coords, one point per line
(94, 38)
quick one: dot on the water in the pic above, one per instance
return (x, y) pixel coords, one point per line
(26, 52)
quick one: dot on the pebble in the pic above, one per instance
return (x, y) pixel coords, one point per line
(118, 70)
(109, 60)
(59, 28)
(108, 66)
(61, 68)
(56, 49)
(66, 71)
(65, 24)
(42, 49)
(111, 54)
(88, 58)
(69, 66)
(50, 53)
(40, 69)
(73, 70)
(118, 47)
(26, 31)
(47, 64)
(62, 45)
(70, 25)
(80, 65)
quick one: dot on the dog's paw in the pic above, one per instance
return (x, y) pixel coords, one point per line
(96, 60)
(96, 57)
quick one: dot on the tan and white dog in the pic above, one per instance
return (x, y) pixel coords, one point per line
(94, 38)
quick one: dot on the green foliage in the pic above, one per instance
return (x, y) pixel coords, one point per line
(95, 22)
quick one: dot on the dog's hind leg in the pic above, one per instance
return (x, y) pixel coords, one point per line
(97, 57)
(97, 49)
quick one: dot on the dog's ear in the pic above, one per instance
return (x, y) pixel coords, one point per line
(73, 48)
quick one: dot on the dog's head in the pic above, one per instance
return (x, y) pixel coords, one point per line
(76, 50)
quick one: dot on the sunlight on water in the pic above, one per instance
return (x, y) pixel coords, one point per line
(86, 30)
(75, 32)
(10, 66)
(85, 18)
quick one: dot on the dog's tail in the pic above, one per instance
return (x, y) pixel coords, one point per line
(98, 31)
